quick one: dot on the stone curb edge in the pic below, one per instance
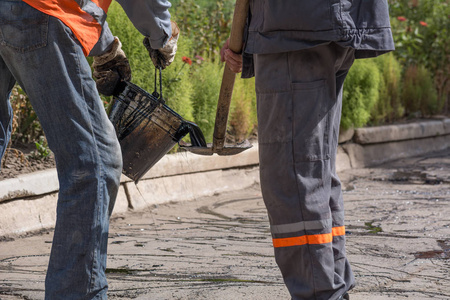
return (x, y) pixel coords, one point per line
(30, 199)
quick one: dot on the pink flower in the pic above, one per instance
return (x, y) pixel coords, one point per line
(423, 23)
(401, 19)
(199, 57)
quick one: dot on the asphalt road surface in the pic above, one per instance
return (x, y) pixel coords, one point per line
(398, 243)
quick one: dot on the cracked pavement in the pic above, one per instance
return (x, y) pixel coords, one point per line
(219, 247)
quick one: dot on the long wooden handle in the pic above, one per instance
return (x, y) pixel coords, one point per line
(226, 89)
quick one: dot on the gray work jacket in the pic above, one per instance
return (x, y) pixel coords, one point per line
(289, 25)
(150, 17)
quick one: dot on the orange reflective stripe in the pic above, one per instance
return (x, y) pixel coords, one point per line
(312, 239)
(303, 240)
(320, 238)
(337, 231)
(288, 242)
(85, 28)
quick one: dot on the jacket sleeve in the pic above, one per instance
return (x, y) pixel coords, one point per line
(151, 18)
(104, 42)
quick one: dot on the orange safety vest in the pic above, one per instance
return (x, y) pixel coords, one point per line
(85, 22)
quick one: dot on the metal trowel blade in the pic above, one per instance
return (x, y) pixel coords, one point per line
(226, 150)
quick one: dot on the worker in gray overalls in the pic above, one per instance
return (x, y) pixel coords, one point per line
(300, 52)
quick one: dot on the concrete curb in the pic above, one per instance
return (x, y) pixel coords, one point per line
(384, 134)
(28, 202)
(376, 145)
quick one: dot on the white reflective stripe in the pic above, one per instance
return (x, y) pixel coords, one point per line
(299, 226)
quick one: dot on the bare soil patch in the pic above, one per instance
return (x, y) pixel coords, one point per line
(23, 159)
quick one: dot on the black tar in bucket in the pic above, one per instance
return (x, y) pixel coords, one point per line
(147, 129)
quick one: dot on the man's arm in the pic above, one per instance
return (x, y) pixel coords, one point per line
(151, 18)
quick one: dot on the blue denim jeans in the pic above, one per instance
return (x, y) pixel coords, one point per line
(43, 56)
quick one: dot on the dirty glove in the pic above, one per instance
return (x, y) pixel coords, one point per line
(164, 56)
(110, 68)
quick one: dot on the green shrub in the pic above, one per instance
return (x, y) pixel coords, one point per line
(421, 29)
(206, 82)
(206, 23)
(42, 150)
(361, 93)
(389, 107)
(207, 79)
(192, 90)
(177, 85)
(243, 119)
(419, 95)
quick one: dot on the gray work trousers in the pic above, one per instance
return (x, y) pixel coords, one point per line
(299, 100)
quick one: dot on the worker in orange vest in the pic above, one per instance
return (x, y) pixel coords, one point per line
(43, 45)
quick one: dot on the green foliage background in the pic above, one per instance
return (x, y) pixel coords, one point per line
(418, 93)
(421, 31)
(361, 92)
(389, 107)
(191, 90)
(411, 82)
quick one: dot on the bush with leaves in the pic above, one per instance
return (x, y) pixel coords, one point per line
(243, 118)
(191, 87)
(206, 87)
(42, 150)
(421, 29)
(177, 84)
(419, 95)
(206, 23)
(389, 106)
(191, 84)
(361, 93)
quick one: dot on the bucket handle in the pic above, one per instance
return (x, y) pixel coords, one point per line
(155, 94)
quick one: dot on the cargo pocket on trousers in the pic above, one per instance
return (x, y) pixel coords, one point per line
(311, 120)
(22, 27)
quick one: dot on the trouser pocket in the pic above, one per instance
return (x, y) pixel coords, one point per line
(22, 27)
(311, 106)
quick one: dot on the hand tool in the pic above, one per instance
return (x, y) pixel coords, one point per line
(226, 91)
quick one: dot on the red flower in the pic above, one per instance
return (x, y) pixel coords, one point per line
(423, 23)
(401, 19)
(187, 60)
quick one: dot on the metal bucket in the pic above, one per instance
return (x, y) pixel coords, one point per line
(146, 129)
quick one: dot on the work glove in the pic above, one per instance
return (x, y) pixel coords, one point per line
(111, 68)
(164, 56)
